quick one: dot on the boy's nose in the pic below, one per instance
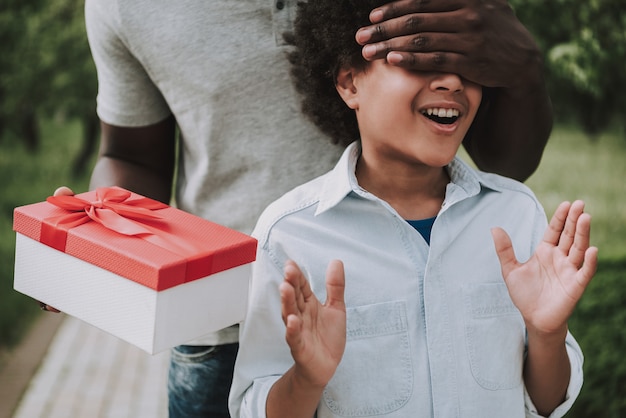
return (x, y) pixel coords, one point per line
(447, 81)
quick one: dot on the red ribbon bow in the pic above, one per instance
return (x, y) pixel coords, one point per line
(112, 209)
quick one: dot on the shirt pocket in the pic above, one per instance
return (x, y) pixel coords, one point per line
(375, 375)
(495, 336)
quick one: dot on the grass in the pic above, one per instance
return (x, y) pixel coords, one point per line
(598, 325)
(574, 167)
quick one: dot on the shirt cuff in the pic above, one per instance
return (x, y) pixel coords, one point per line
(573, 389)
(253, 404)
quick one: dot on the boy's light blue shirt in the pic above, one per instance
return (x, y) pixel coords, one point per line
(431, 331)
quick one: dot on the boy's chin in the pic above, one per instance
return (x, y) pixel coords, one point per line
(440, 161)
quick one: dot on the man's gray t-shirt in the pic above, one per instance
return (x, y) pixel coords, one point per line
(220, 67)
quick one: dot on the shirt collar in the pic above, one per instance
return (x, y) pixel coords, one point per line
(341, 181)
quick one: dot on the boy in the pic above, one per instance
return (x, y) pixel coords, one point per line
(448, 327)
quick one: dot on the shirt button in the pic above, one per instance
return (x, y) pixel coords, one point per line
(280, 5)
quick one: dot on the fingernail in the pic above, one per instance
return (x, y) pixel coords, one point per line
(369, 51)
(362, 35)
(376, 16)
(394, 58)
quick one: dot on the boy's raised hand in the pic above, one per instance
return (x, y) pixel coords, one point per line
(548, 286)
(316, 333)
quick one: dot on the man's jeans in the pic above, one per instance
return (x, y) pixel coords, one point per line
(199, 380)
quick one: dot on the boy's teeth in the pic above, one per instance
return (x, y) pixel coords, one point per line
(442, 113)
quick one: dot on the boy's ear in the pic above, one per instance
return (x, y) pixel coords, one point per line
(346, 88)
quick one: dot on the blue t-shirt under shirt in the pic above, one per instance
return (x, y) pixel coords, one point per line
(423, 226)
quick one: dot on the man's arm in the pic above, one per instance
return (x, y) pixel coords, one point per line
(138, 159)
(484, 42)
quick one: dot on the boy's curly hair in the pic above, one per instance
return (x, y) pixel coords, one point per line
(324, 41)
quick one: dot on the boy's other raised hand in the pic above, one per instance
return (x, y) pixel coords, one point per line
(548, 286)
(316, 333)
(483, 41)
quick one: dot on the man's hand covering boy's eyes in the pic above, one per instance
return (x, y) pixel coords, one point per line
(483, 41)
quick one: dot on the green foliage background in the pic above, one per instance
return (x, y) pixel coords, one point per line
(47, 102)
(584, 45)
(598, 324)
(29, 178)
(45, 67)
(574, 167)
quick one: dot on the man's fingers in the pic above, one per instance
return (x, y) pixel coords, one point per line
(504, 250)
(63, 191)
(445, 62)
(335, 285)
(400, 8)
(412, 24)
(44, 307)
(424, 43)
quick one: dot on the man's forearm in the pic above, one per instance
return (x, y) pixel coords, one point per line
(139, 159)
(504, 140)
(113, 172)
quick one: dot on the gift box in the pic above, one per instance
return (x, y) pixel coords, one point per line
(143, 271)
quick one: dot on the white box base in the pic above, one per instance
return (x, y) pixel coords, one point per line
(153, 321)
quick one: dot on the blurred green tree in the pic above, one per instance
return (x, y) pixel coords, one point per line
(47, 70)
(17, 113)
(584, 45)
(46, 67)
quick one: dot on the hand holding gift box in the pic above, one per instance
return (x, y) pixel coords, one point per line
(148, 273)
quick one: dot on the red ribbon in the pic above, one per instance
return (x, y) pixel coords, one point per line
(134, 216)
(112, 209)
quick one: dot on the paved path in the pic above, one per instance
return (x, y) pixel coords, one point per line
(89, 373)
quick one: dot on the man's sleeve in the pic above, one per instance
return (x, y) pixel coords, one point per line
(126, 94)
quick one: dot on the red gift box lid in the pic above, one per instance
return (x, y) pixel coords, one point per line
(135, 237)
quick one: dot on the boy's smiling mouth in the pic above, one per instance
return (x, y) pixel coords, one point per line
(441, 115)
